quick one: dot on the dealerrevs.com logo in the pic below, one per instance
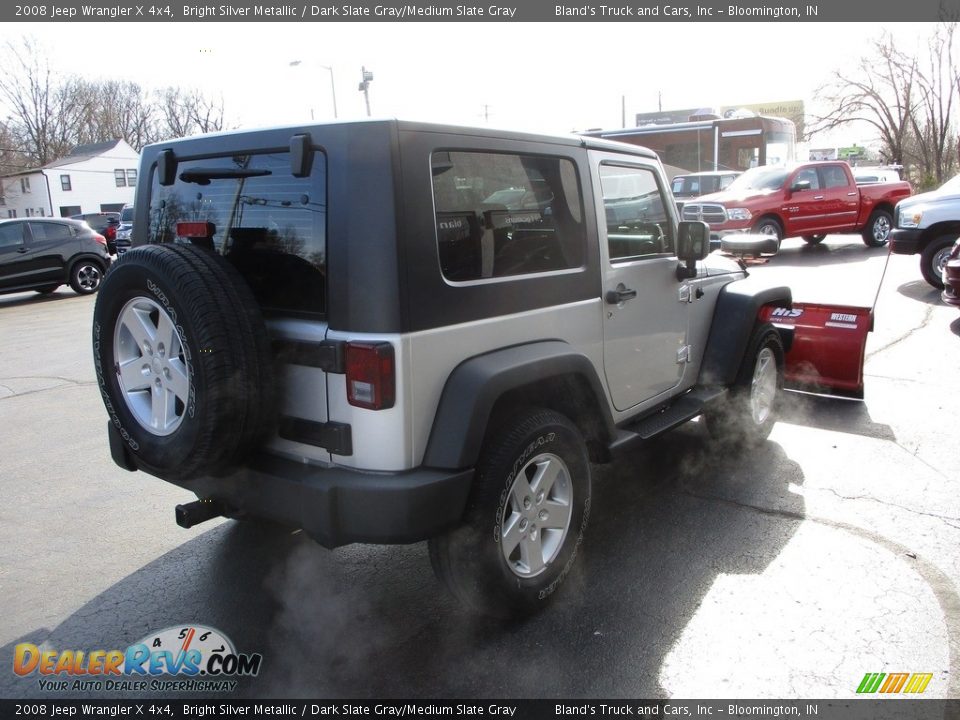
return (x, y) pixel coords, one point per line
(201, 658)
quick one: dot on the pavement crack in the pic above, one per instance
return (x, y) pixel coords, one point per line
(927, 316)
(64, 382)
(947, 519)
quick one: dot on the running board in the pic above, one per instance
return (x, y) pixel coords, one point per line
(666, 418)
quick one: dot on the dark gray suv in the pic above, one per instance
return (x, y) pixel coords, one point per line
(44, 253)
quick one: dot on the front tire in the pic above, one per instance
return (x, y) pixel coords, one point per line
(933, 258)
(877, 231)
(748, 414)
(769, 226)
(525, 519)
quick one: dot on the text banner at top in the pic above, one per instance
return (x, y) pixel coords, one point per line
(501, 11)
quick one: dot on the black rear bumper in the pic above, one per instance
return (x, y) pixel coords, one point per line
(335, 506)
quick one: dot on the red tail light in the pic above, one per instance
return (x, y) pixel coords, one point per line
(97, 237)
(371, 376)
(110, 232)
(195, 229)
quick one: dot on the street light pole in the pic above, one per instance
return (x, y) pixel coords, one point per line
(365, 85)
(333, 89)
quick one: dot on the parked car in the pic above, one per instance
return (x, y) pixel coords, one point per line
(875, 175)
(44, 253)
(808, 200)
(951, 277)
(125, 229)
(105, 223)
(702, 183)
(927, 225)
(432, 368)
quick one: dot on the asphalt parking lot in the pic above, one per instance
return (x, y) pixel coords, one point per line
(789, 572)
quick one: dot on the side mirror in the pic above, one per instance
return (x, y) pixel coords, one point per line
(800, 185)
(693, 243)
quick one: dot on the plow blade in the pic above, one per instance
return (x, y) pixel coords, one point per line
(828, 346)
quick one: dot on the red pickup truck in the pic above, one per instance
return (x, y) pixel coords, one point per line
(808, 200)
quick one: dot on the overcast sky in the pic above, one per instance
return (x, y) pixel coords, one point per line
(550, 77)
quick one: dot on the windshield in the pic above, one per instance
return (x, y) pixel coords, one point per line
(126, 215)
(761, 178)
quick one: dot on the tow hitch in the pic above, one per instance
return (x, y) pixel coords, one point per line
(198, 511)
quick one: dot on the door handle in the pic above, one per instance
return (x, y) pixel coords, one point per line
(21, 250)
(818, 197)
(615, 297)
(853, 194)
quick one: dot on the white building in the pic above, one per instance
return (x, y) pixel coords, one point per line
(92, 178)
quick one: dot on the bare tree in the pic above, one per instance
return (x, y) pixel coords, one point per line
(880, 92)
(122, 109)
(46, 114)
(937, 87)
(188, 112)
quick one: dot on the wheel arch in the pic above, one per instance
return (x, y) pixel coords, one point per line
(734, 318)
(549, 374)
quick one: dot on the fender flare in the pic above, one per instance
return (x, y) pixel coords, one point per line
(475, 385)
(734, 318)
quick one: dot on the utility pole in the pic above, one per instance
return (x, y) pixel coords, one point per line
(365, 85)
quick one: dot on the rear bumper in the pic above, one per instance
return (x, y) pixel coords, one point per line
(335, 506)
(906, 241)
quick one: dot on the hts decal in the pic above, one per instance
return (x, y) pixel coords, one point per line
(184, 650)
(913, 683)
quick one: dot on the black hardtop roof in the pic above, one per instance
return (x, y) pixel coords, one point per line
(278, 137)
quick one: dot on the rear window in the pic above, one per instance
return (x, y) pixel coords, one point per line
(500, 214)
(269, 224)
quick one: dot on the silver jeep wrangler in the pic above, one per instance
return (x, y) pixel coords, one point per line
(388, 332)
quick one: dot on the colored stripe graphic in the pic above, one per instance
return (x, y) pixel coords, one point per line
(894, 683)
(914, 683)
(870, 682)
(918, 682)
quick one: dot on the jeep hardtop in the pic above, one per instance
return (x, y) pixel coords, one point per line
(345, 328)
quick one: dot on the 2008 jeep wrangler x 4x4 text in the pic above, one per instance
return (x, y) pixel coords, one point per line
(387, 332)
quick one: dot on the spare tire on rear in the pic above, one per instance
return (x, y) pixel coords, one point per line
(183, 362)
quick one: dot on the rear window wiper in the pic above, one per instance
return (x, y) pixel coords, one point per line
(203, 176)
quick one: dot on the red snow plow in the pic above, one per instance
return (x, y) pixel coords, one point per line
(825, 346)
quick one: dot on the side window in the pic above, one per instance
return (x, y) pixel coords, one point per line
(500, 214)
(637, 220)
(809, 175)
(726, 180)
(11, 234)
(50, 231)
(833, 176)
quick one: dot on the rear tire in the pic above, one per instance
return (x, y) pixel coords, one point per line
(934, 257)
(86, 276)
(182, 360)
(813, 239)
(525, 519)
(748, 414)
(877, 231)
